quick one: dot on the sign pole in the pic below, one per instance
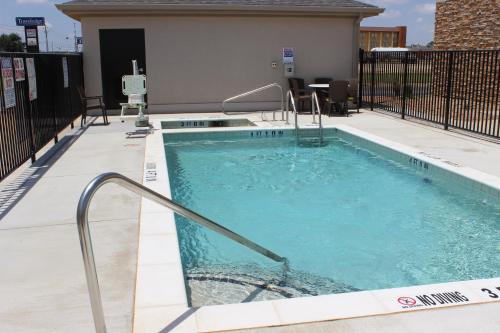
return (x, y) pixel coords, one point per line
(74, 37)
(46, 39)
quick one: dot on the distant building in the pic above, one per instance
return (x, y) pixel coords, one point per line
(382, 37)
(467, 24)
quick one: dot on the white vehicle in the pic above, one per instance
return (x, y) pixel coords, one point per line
(390, 49)
(395, 54)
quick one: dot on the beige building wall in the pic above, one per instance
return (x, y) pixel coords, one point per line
(193, 63)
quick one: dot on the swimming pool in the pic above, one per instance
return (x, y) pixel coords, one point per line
(349, 215)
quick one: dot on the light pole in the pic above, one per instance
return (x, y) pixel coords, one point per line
(74, 36)
(46, 38)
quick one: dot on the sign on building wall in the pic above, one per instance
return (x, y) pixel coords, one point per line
(19, 69)
(287, 55)
(9, 92)
(65, 71)
(30, 69)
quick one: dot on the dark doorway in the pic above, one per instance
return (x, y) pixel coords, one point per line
(118, 48)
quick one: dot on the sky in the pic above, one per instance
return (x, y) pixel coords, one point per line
(417, 15)
(59, 26)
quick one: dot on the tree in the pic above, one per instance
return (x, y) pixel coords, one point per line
(11, 43)
(430, 44)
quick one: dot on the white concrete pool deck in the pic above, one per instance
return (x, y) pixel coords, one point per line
(42, 284)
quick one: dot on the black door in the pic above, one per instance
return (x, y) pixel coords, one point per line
(118, 48)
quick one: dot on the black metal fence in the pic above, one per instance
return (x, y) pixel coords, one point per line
(458, 89)
(38, 98)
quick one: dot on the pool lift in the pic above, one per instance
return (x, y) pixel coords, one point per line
(134, 87)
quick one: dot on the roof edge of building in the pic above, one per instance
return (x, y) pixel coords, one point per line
(77, 11)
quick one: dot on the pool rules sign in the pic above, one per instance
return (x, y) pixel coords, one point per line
(9, 92)
(30, 70)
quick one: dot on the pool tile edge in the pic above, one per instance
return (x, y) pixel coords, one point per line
(344, 306)
(160, 297)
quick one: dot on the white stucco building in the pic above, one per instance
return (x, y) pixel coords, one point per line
(197, 53)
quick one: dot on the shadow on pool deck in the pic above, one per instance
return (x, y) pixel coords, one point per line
(176, 322)
(15, 190)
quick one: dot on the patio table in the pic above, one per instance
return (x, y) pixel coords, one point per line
(319, 85)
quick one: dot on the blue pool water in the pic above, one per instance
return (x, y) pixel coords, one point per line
(346, 218)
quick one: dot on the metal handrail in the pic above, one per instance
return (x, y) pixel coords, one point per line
(315, 107)
(86, 242)
(290, 98)
(251, 92)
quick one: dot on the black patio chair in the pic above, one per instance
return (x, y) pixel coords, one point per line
(96, 103)
(352, 92)
(322, 92)
(300, 93)
(337, 97)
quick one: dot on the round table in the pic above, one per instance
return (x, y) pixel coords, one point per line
(322, 85)
(319, 85)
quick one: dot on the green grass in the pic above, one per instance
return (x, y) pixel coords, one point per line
(393, 77)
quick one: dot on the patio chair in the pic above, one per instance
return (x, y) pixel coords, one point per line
(321, 92)
(323, 80)
(300, 93)
(352, 92)
(337, 97)
(96, 103)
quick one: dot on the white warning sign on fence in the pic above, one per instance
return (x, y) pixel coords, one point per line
(65, 71)
(9, 90)
(19, 69)
(30, 70)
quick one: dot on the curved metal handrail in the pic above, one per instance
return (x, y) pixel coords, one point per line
(86, 242)
(251, 92)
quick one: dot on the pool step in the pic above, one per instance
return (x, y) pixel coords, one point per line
(223, 286)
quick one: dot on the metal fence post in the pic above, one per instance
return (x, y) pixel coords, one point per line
(448, 89)
(372, 86)
(361, 74)
(405, 83)
(57, 68)
(69, 60)
(28, 112)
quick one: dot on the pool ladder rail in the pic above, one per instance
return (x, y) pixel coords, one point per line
(86, 242)
(252, 92)
(315, 108)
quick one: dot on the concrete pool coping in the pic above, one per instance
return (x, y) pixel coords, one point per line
(161, 300)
